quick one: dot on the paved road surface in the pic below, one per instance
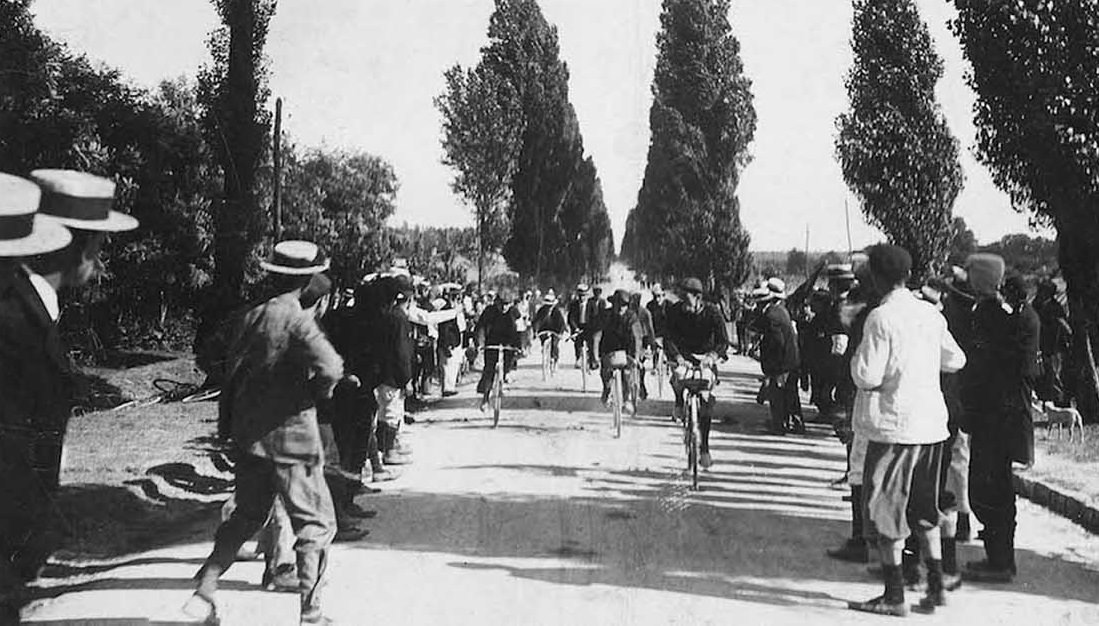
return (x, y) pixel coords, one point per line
(549, 519)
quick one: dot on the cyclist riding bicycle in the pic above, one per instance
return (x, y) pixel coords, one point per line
(583, 317)
(618, 331)
(694, 329)
(551, 319)
(496, 327)
(648, 339)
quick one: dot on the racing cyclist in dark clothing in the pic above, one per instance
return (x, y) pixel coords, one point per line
(496, 327)
(695, 335)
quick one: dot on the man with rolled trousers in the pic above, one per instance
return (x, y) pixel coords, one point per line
(42, 253)
(280, 364)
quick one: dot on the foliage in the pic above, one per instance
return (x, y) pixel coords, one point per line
(58, 110)
(1030, 256)
(558, 229)
(482, 126)
(687, 218)
(341, 201)
(438, 254)
(895, 148)
(233, 91)
(962, 242)
(796, 262)
(1035, 67)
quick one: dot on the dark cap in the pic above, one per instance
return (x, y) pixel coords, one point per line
(620, 297)
(691, 285)
(892, 263)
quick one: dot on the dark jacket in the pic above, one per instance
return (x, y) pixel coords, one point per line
(619, 332)
(498, 327)
(395, 347)
(591, 313)
(1002, 362)
(778, 348)
(279, 365)
(694, 332)
(550, 318)
(36, 377)
(659, 313)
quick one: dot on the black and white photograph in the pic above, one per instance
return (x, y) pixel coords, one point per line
(549, 312)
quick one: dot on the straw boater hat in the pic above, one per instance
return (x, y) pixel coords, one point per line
(22, 231)
(81, 201)
(296, 258)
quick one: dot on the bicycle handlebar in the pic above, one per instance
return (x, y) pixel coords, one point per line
(499, 349)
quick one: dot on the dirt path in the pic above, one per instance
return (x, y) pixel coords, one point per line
(549, 519)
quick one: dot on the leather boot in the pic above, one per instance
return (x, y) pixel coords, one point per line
(392, 455)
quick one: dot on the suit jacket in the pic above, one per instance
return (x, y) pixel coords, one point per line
(778, 349)
(280, 363)
(36, 376)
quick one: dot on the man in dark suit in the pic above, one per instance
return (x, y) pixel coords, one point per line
(42, 257)
(779, 359)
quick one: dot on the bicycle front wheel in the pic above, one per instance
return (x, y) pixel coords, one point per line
(497, 395)
(616, 399)
(693, 438)
(584, 368)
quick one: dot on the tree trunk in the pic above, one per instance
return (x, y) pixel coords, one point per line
(1079, 260)
(234, 220)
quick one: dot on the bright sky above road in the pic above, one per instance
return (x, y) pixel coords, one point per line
(362, 73)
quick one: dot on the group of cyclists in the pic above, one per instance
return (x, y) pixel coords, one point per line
(687, 336)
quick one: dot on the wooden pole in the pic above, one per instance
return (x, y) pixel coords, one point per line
(847, 216)
(277, 196)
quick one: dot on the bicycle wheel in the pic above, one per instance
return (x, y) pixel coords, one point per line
(584, 367)
(692, 440)
(616, 401)
(658, 365)
(545, 360)
(635, 389)
(497, 393)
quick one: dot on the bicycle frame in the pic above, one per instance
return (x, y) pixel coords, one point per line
(549, 366)
(496, 392)
(695, 384)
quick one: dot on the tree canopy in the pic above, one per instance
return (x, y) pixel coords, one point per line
(687, 218)
(895, 148)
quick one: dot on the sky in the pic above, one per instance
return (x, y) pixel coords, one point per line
(361, 75)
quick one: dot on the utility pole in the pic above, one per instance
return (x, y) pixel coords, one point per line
(847, 216)
(277, 196)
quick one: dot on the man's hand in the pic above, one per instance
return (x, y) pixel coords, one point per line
(354, 381)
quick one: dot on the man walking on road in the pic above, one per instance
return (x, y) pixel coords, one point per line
(899, 408)
(280, 364)
(779, 358)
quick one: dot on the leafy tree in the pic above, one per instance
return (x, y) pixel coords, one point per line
(482, 125)
(962, 242)
(438, 254)
(588, 240)
(341, 201)
(1035, 69)
(233, 90)
(1030, 256)
(894, 146)
(687, 218)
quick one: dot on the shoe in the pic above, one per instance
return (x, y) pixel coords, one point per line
(350, 533)
(449, 394)
(356, 511)
(393, 457)
(627, 407)
(932, 600)
(383, 476)
(852, 551)
(283, 579)
(315, 618)
(606, 399)
(879, 606)
(484, 406)
(952, 582)
(202, 608)
(704, 460)
(982, 572)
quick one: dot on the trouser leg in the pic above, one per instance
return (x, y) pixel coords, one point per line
(312, 516)
(992, 497)
(255, 494)
(705, 420)
(776, 396)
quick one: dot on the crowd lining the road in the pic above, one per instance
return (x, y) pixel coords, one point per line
(930, 386)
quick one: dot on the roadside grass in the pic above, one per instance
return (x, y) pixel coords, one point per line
(1069, 465)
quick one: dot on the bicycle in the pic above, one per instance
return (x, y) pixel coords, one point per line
(660, 366)
(584, 365)
(617, 362)
(549, 364)
(496, 393)
(633, 390)
(697, 380)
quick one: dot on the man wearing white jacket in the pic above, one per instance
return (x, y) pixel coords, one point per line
(899, 409)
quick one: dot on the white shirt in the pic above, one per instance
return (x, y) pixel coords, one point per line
(46, 293)
(896, 368)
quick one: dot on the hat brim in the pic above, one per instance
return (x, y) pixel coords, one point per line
(47, 235)
(294, 271)
(115, 223)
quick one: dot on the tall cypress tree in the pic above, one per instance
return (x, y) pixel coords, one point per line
(895, 148)
(524, 50)
(687, 218)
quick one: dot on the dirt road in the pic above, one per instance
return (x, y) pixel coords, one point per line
(549, 519)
